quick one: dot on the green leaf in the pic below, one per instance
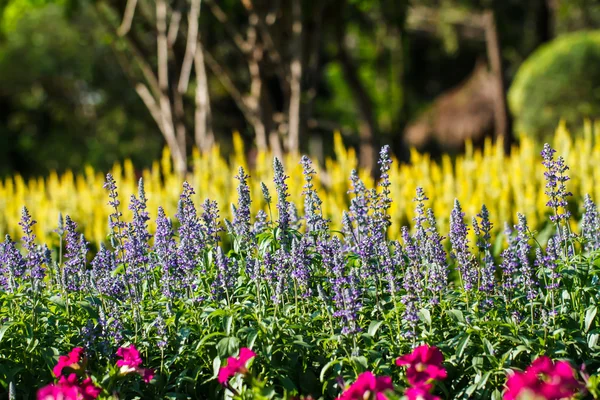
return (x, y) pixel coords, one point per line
(425, 316)
(228, 346)
(326, 368)
(458, 315)
(4, 328)
(373, 327)
(590, 314)
(462, 345)
(488, 346)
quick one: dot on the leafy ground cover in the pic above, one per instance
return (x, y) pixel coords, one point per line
(290, 307)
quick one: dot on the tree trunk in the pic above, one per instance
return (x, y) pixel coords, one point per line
(501, 116)
(203, 133)
(367, 124)
(293, 143)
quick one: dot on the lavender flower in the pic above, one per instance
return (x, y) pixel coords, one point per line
(556, 190)
(115, 224)
(227, 272)
(344, 285)
(191, 241)
(103, 278)
(435, 256)
(210, 219)
(135, 245)
(266, 194)
(74, 276)
(300, 265)
(526, 277)
(384, 200)
(510, 262)
(241, 218)
(483, 233)
(173, 277)
(315, 223)
(460, 248)
(282, 195)
(34, 257)
(260, 223)
(12, 265)
(590, 225)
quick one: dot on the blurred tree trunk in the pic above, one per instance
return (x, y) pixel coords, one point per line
(164, 92)
(367, 130)
(501, 115)
(295, 83)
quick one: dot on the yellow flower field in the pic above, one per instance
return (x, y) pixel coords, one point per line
(506, 185)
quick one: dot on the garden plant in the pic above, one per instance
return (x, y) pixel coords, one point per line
(278, 304)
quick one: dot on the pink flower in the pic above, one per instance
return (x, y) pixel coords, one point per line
(235, 365)
(131, 362)
(147, 374)
(543, 378)
(68, 388)
(367, 385)
(69, 361)
(424, 365)
(131, 359)
(420, 393)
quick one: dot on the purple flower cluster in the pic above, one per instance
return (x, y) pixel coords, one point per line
(556, 190)
(74, 276)
(297, 256)
(460, 248)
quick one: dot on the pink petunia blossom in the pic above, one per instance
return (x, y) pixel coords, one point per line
(424, 365)
(420, 393)
(131, 359)
(131, 362)
(544, 379)
(235, 365)
(69, 361)
(366, 386)
(69, 388)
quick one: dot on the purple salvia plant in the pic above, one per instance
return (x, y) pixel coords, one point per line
(227, 273)
(383, 200)
(115, 224)
(509, 264)
(556, 190)
(260, 223)
(173, 277)
(483, 232)
(282, 203)
(315, 223)
(211, 224)
(74, 274)
(436, 257)
(526, 276)
(359, 207)
(460, 249)
(103, 266)
(280, 272)
(135, 245)
(300, 265)
(12, 265)
(590, 225)
(34, 258)
(241, 218)
(412, 283)
(294, 216)
(344, 285)
(191, 241)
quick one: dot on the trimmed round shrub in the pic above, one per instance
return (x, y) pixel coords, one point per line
(560, 80)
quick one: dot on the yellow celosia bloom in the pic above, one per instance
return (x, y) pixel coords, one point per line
(505, 184)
